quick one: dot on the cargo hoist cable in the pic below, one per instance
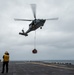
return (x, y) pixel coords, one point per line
(35, 40)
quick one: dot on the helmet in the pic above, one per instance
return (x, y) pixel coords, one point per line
(6, 52)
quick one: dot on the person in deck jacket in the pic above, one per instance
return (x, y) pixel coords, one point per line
(5, 62)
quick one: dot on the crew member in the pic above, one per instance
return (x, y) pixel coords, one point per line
(5, 62)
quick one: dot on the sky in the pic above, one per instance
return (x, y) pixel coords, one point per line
(55, 41)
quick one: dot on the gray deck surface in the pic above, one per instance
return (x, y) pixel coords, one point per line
(36, 68)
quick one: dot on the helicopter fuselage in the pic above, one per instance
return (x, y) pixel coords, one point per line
(35, 24)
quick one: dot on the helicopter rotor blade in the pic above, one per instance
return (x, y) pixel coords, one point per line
(22, 20)
(53, 18)
(33, 6)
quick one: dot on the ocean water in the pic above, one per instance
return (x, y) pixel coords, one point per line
(60, 61)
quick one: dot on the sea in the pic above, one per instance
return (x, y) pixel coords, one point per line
(60, 61)
(48, 61)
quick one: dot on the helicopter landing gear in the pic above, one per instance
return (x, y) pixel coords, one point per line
(41, 27)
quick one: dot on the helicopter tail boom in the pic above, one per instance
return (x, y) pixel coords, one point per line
(25, 34)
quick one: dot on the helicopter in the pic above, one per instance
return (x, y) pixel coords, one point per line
(35, 24)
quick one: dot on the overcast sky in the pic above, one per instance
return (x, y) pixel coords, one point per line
(54, 41)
